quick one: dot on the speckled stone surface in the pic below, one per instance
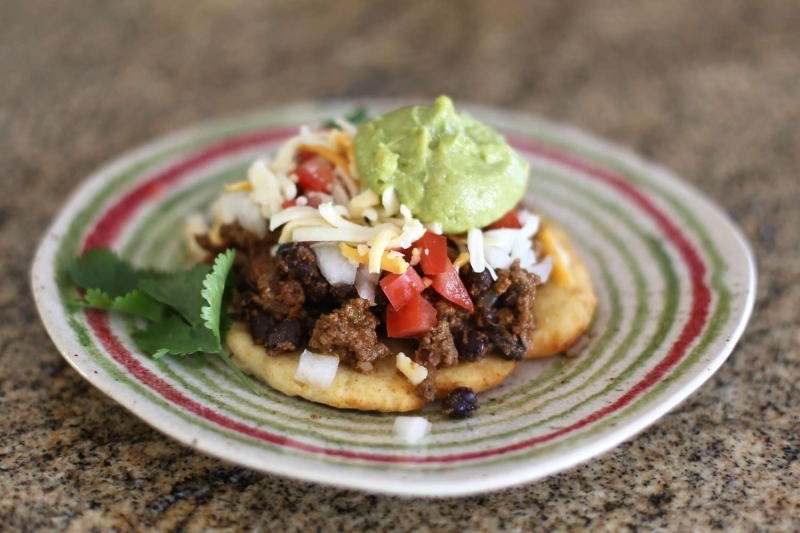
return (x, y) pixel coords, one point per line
(710, 89)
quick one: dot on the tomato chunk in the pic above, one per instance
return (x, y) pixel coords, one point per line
(433, 253)
(449, 285)
(316, 174)
(289, 203)
(401, 288)
(414, 320)
(305, 155)
(510, 220)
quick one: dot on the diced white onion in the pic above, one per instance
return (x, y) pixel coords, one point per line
(364, 366)
(502, 239)
(496, 258)
(366, 283)
(316, 370)
(542, 269)
(333, 264)
(410, 429)
(233, 206)
(434, 227)
(475, 247)
(415, 256)
(415, 373)
(390, 202)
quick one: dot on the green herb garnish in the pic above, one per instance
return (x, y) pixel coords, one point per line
(185, 310)
(356, 117)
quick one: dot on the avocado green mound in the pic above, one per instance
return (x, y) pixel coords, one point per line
(444, 165)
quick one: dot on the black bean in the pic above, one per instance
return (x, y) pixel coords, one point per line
(343, 292)
(287, 335)
(260, 326)
(473, 345)
(477, 283)
(506, 344)
(460, 403)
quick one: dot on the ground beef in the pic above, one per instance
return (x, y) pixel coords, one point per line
(427, 387)
(521, 296)
(437, 348)
(289, 305)
(349, 332)
(456, 317)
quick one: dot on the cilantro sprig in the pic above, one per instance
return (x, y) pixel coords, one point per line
(356, 117)
(185, 310)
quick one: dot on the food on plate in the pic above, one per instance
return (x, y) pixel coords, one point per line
(376, 266)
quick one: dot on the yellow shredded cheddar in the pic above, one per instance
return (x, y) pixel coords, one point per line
(461, 260)
(395, 265)
(330, 155)
(561, 273)
(427, 281)
(239, 186)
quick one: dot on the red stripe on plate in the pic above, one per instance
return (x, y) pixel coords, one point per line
(108, 228)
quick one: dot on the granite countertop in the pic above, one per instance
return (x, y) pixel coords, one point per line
(710, 89)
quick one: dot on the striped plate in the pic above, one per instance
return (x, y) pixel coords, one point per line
(675, 282)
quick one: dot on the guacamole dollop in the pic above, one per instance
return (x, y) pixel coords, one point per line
(444, 165)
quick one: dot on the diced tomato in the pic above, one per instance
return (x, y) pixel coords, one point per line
(313, 200)
(449, 285)
(289, 203)
(401, 288)
(316, 174)
(509, 220)
(305, 155)
(433, 253)
(414, 320)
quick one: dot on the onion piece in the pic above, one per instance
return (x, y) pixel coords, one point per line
(366, 282)
(316, 370)
(475, 247)
(410, 429)
(496, 258)
(542, 269)
(334, 266)
(502, 239)
(390, 201)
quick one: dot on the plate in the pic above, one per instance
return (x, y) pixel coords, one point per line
(675, 282)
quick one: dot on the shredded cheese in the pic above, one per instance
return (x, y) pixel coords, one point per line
(415, 373)
(461, 260)
(560, 273)
(328, 154)
(377, 250)
(238, 186)
(395, 265)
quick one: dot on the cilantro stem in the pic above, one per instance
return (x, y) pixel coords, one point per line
(247, 383)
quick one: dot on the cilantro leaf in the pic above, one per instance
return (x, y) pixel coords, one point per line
(176, 337)
(100, 268)
(180, 290)
(134, 303)
(356, 117)
(214, 292)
